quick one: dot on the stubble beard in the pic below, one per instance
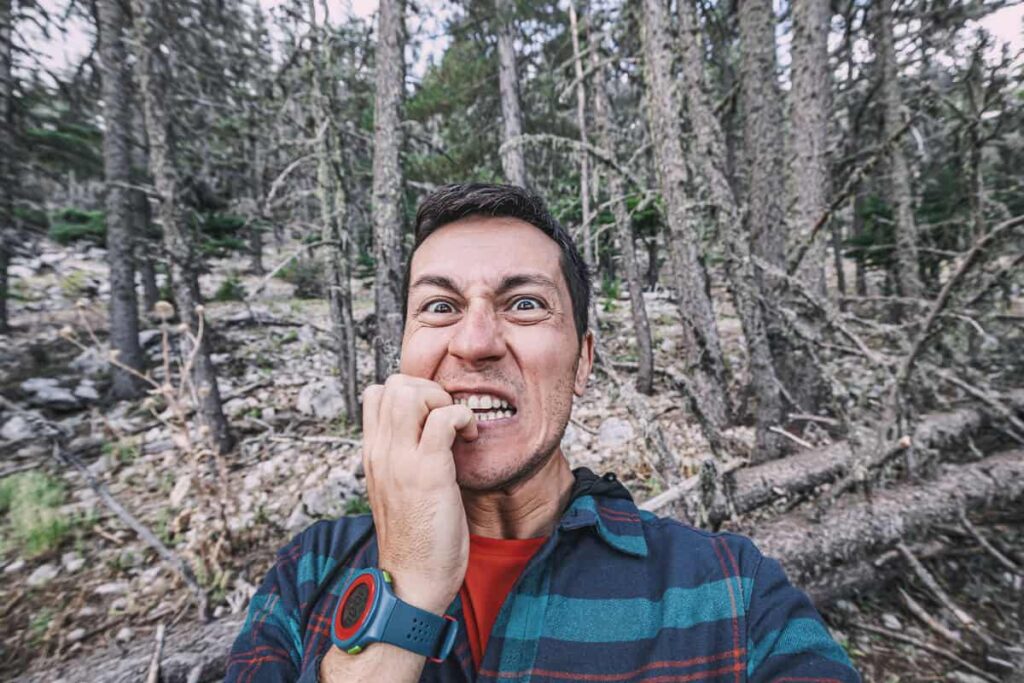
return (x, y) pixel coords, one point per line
(515, 473)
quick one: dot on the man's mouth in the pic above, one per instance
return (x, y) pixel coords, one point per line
(487, 407)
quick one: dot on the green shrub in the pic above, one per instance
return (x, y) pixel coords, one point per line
(71, 225)
(308, 277)
(31, 502)
(357, 506)
(221, 233)
(231, 289)
(74, 284)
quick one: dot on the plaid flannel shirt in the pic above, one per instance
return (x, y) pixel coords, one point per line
(615, 594)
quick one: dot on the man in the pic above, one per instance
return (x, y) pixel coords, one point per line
(486, 558)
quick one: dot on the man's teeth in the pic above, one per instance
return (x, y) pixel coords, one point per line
(487, 407)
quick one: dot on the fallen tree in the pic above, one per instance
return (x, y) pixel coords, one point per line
(865, 525)
(751, 488)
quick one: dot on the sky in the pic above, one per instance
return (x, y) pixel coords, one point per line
(60, 51)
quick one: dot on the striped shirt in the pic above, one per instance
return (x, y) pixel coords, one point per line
(615, 594)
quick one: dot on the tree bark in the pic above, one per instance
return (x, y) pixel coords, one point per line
(146, 246)
(333, 211)
(624, 232)
(177, 238)
(581, 123)
(900, 194)
(7, 178)
(117, 166)
(743, 281)
(765, 186)
(762, 131)
(387, 187)
(810, 103)
(705, 369)
(513, 163)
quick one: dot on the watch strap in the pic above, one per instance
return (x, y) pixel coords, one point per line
(419, 631)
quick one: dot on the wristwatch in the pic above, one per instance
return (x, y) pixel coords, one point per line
(369, 612)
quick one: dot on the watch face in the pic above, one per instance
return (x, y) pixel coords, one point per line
(355, 607)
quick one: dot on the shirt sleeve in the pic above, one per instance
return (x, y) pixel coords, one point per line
(786, 638)
(269, 646)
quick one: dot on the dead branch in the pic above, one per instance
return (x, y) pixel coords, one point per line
(907, 366)
(928, 620)
(877, 630)
(154, 666)
(1007, 563)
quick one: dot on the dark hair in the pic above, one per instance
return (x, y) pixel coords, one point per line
(450, 203)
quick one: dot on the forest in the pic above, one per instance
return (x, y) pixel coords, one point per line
(805, 225)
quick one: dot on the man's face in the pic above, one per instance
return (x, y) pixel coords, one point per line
(490, 320)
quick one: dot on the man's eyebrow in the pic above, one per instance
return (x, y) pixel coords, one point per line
(510, 282)
(441, 281)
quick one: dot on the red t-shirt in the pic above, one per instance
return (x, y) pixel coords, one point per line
(494, 566)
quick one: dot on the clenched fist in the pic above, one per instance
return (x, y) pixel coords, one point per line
(409, 426)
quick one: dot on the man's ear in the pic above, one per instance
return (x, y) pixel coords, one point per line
(584, 363)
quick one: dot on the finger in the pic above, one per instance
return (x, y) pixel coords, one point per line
(372, 396)
(407, 402)
(442, 426)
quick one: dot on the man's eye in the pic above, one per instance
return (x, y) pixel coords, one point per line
(439, 307)
(527, 303)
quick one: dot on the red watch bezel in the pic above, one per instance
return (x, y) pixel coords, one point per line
(341, 633)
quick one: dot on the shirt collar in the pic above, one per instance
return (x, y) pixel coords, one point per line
(604, 503)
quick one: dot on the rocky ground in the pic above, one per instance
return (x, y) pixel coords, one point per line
(91, 583)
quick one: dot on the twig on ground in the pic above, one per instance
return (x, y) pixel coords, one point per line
(168, 555)
(676, 492)
(931, 622)
(792, 437)
(903, 638)
(1007, 563)
(939, 592)
(154, 665)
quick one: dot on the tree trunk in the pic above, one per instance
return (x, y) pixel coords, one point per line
(765, 185)
(333, 211)
(581, 123)
(117, 166)
(900, 193)
(624, 231)
(810, 103)
(387, 187)
(762, 131)
(177, 238)
(743, 282)
(7, 179)
(705, 369)
(513, 162)
(144, 242)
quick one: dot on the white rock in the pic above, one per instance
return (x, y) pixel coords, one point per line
(124, 635)
(16, 429)
(19, 272)
(87, 611)
(180, 490)
(92, 361)
(72, 562)
(322, 398)
(891, 622)
(298, 520)
(112, 588)
(147, 337)
(87, 392)
(42, 575)
(15, 566)
(614, 433)
(74, 635)
(47, 391)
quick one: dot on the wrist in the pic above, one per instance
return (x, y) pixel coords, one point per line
(428, 595)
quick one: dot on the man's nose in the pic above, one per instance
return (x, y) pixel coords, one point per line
(478, 337)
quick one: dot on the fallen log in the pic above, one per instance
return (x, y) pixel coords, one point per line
(860, 526)
(755, 487)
